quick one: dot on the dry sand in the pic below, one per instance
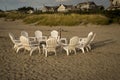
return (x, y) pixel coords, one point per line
(102, 63)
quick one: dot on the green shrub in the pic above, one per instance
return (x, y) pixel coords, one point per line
(15, 16)
(2, 15)
(98, 19)
(32, 19)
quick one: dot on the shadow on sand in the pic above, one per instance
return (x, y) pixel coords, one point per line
(102, 43)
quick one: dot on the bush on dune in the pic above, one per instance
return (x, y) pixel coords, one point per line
(12, 15)
(95, 19)
(66, 19)
(2, 15)
(32, 19)
(15, 16)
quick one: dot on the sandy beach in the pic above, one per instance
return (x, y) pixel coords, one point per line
(101, 63)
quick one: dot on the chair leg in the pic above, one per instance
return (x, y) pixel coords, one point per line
(43, 48)
(75, 51)
(32, 51)
(55, 53)
(15, 47)
(19, 49)
(45, 53)
(87, 49)
(39, 49)
(83, 50)
(67, 52)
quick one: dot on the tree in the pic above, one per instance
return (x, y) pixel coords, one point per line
(25, 9)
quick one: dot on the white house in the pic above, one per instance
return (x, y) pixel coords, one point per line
(30, 11)
(49, 8)
(86, 6)
(64, 8)
(115, 4)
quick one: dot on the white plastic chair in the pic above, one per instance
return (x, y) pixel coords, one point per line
(83, 44)
(26, 44)
(51, 45)
(24, 33)
(83, 40)
(72, 45)
(39, 36)
(89, 45)
(55, 34)
(15, 41)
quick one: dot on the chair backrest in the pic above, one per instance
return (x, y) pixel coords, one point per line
(25, 42)
(51, 43)
(93, 37)
(90, 33)
(12, 37)
(54, 34)
(73, 42)
(24, 33)
(38, 35)
(89, 38)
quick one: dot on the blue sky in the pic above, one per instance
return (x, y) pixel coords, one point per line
(15, 4)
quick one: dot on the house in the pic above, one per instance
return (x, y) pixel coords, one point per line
(88, 6)
(64, 8)
(30, 11)
(49, 8)
(115, 4)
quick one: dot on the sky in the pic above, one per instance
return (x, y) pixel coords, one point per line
(15, 4)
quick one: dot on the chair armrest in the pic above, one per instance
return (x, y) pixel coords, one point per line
(32, 38)
(63, 39)
(18, 41)
(44, 37)
(63, 44)
(34, 44)
(81, 39)
(58, 38)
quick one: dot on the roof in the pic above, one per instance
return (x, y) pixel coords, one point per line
(89, 2)
(50, 7)
(68, 6)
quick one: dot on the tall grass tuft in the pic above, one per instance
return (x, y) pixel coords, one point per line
(66, 19)
(15, 16)
(2, 15)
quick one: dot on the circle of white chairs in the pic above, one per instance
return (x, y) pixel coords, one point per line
(33, 43)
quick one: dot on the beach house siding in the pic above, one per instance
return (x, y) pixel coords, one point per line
(115, 4)
(30, 11)
(49, 8)
(64, 8)
(86, 6)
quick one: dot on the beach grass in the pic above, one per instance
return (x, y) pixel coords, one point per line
(62, 19)
(66, 19)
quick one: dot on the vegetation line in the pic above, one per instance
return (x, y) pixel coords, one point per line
(66, 19)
